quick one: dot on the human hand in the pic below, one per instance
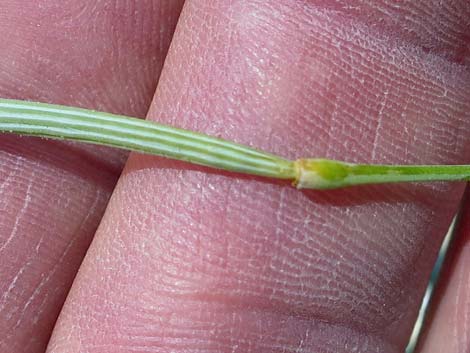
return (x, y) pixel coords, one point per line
(190, 260)
(105, 55)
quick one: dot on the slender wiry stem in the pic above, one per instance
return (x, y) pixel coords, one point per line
(330, 174)
(60, 122)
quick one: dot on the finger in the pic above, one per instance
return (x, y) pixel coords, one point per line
(188, 259)
(449, 322)
(97, 54)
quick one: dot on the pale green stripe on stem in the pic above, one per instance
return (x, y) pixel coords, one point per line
(83, 125)
(60, 122)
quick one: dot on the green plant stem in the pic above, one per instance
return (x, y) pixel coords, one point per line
(133, 134)
(60, 122)
(330, 174)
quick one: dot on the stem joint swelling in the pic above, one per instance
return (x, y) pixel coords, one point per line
(68, 123)
(331, 174)
(320, 174)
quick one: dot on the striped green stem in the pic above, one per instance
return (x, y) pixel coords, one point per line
(60, 122)
(133, 134)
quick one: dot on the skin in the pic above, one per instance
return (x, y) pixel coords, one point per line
(191, 260)
(449, 319)
(96, 54)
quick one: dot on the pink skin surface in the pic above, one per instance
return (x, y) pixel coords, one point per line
(98, 54)
(188, 259)
(449, 329)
